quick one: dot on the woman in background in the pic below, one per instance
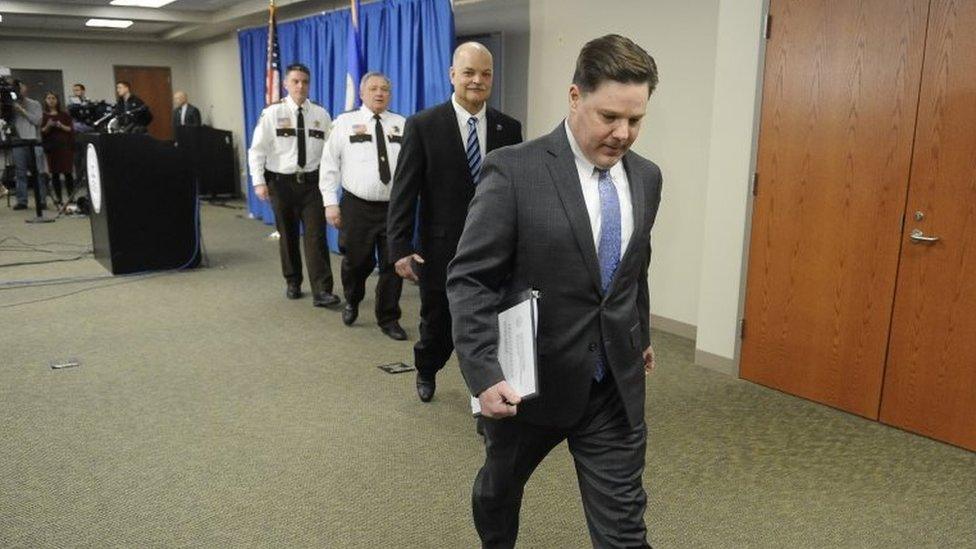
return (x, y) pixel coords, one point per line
(58, 138)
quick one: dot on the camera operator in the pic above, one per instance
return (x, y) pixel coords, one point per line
(27, 122)
(132, 114)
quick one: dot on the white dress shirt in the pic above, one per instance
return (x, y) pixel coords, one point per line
(183, 115)
(463, 116)
(275, 143)
(590, 182)
(350, 159)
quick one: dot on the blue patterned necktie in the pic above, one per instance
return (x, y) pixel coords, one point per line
(473, 149)
(609, 249)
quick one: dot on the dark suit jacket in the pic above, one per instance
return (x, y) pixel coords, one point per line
(133, 111)
(192, 116)
(528, 228)
(433, 166)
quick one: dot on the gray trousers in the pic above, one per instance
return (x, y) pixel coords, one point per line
(609, 457)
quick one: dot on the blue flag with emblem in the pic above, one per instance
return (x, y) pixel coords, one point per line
(354, 58)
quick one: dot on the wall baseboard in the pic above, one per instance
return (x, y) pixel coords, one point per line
(720, 364)
(676, 327)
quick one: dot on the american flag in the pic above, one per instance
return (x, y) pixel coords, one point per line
(272, 84)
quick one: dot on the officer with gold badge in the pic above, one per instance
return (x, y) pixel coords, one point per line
(361, 156)
(284, 160)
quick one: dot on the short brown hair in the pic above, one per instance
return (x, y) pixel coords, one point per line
(617, 58)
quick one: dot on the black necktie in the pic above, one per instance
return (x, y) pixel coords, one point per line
(381, 151)
(301, 139)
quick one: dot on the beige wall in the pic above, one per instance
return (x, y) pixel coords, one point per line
(734, 132)
(217, 89)
(676, 134)
(91, 63)
(701, 129)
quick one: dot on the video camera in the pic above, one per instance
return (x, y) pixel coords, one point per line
(9, 94)
(89, 112)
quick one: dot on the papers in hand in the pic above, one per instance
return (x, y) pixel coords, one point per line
(518, 320)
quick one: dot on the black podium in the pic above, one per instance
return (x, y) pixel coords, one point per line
(144, 204)
(212, 161)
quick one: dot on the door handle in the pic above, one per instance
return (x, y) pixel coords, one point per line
(918, 236)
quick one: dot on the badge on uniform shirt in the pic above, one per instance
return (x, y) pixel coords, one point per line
(316, 123)
(359, 129)
(396, 130)
(284, 122)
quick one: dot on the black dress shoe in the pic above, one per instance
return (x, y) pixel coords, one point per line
(425, 388)
(326, 299)
(20, 206)
(350, 313)
(294, 291)
(394, 331)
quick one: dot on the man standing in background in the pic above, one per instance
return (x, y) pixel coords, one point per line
(132, 115)
(440, 164)
(284, 161)
(361, 154)
(76, 102)
(184, 114)
(568, 214)
(27, 123)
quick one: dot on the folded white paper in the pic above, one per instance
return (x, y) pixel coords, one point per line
(517, 328)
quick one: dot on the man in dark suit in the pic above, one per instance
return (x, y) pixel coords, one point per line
(184, 114)
(132, 115)
(568, 214)
(440, 163)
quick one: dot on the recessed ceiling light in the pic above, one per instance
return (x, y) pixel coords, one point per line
(142, 3)
(110, 23)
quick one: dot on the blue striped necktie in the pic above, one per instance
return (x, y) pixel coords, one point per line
(609, 250)
(473, 150)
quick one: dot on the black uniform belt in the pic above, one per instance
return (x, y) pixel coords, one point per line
(299, 177)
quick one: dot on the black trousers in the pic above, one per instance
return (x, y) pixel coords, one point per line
(435, 345)
(609, 457)
(298, 205)
(361, 240)
(69, 185)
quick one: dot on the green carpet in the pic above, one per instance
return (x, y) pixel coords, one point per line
(209, 411)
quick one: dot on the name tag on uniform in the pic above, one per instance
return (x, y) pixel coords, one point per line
(361, 138)
(316, 134)
(395, 138)
(285, 132)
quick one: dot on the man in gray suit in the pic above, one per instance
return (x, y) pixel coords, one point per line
(569, 214)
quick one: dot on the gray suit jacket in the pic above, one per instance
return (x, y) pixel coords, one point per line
(527, 227)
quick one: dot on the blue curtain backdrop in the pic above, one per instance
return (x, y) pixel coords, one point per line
(411, 41)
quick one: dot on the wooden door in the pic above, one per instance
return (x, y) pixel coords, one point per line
(930, 382)
(154, 86)
(840, 94)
